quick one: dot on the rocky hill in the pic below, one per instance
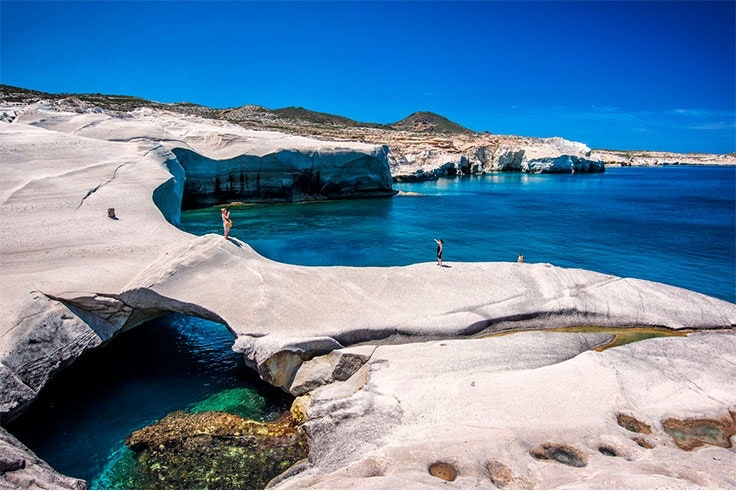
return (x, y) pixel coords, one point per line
(427, 122)
(421, 146)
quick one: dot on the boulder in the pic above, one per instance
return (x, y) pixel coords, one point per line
(20, 468)
(564, 164)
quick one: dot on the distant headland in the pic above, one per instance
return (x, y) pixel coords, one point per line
(422, 146)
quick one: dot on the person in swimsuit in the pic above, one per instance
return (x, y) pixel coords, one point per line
(440, 243)
(226, 222)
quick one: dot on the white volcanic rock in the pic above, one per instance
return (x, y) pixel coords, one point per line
(484, 406)
(463, 155)
(225, 162)
(649, 158)
(404, 348)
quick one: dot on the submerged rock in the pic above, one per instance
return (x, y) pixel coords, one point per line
(213, 450)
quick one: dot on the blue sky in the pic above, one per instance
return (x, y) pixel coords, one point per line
(620, 75)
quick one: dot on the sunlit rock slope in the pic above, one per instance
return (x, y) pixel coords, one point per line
(401, 385)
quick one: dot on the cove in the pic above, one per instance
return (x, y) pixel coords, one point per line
(675, 225)
(80, 419)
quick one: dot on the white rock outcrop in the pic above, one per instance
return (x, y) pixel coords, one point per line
(650, 158)
(401, 384)
(224, 162)
(429, 159)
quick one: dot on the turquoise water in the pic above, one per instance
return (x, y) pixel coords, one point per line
(673, 224)
(676, 225)
(80, 420)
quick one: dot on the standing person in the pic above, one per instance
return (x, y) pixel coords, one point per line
(440, 243)
(226, 222)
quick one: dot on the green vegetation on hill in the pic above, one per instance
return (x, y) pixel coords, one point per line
(428, 122)
(107, 102)
(421, 122)
(314, 117)
(8, 93)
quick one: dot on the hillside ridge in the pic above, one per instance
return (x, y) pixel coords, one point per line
(424, 145)
(421, 122)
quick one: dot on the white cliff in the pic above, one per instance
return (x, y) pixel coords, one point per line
(224, 162)
(400, 384)
(627, 158)
(419, 159)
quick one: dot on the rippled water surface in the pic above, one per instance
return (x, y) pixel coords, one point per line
(80, 420)
(673, 224)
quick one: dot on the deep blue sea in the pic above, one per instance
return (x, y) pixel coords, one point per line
(673, 224)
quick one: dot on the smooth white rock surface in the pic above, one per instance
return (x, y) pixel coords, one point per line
(426, 385)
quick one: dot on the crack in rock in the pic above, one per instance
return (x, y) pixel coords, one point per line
(96, 188)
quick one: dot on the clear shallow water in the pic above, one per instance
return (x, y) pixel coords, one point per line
(675, 225)
(81, 419)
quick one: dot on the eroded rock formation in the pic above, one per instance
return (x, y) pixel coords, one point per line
(217, 162)
(285, 175)
(395, 368)
(20, 468)
(422, 159)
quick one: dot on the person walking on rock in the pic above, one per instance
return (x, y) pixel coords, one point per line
(440, 243)
(226, 222)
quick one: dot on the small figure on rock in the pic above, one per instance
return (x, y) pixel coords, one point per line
(520, 259)
(226, 222)
(440, 244)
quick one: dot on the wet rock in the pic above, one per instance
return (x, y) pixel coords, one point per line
(690, 434)
(633, 424)
(643, 442)
(608, 451)
(213, 450)
(563, 454)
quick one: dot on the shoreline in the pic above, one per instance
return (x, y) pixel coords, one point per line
(374, 413)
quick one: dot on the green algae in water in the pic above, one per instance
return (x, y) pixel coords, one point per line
(620, 335)
(79, 421)
(242, 401)
(119, 471)
(206, 461)
(210, 450)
